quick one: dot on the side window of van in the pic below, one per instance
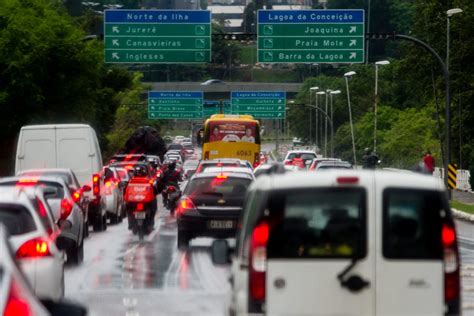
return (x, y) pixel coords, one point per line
(250, 214)
(412, 222)
(317, 223)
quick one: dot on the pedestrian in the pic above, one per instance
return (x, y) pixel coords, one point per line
(429, 162)
(369, 160)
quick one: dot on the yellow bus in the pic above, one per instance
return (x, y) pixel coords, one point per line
(231, 136)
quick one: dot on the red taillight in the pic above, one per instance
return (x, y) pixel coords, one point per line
(140, 207)
(185, 205)
(171, 189)
(95, 184)
(258, 261)
(66, 208)
(108, 187)
(33, 249)
(17, 304)
(76, 196)
(451, 263)
(222, 176)
(347, 180)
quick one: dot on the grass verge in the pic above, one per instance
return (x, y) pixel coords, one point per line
(467, 208)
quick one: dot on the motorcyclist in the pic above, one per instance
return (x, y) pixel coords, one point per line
(369, 160)
(140, 174)
(170, 177)
(298, 161)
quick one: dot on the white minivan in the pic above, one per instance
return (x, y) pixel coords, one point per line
(345, 243)
(71, 146)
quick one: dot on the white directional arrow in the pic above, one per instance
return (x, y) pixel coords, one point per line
(352, 55)
(279, 114)
(115, 56)
(115, 42)
(352, 43)
(115, 29)
(353, 29)
(279, 108)
(280, 100)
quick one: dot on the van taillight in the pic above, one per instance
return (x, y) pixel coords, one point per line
(95, 184)
(451, 266)
(258, 266)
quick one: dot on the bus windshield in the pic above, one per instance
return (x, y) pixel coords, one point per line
(229, 131)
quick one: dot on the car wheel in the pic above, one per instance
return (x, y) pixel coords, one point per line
(86, 229)
(104, 222)
(114, 218)
(183, 240)
(97, 224)
(72, 254)
(80, 252)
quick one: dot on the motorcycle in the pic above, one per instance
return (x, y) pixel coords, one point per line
(173, 195)
(140, 204)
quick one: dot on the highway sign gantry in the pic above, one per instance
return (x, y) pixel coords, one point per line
(259, 104)
(311, 36)
(175, 105)
(157, 36)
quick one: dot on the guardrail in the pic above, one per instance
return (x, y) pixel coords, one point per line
(462, 180)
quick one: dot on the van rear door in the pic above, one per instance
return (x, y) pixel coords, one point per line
(314, 236)
(36, 149)
(410, 275)
(75, 151)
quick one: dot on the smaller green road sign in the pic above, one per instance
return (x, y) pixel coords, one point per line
(259, 104)
(175, 105)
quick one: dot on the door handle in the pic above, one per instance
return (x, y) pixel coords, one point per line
(355, 283)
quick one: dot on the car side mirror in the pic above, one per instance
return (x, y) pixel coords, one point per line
(64, 308)
(86, 188)
(220, 252)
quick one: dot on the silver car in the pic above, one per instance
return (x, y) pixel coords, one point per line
(112, 196)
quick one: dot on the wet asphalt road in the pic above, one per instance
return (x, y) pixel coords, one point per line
(122, 276)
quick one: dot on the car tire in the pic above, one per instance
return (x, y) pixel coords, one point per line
(73, 254)
(80, 253)
(98, 224)
(183, 240)
(104, 222)
(86, 229)
(114, 218)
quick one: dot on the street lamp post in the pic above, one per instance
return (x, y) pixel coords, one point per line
(325, 124)
(335, 92)
(377, 64)
(449, 14)
(311, 116)
(347, 75)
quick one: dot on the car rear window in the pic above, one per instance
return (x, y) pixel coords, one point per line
(17, 219)
(307, 156)
(204, 166)
(317, 223)
(412, 222)
(221, 187)
(175, 146)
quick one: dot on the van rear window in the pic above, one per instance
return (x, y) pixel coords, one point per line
(16, 219)
(318, 223)
(412, 222)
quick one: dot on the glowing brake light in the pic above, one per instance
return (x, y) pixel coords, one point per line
(185, 205)
(448, 236)
(17, 304)
(76, 196)
(33, 249)
(221, 176)
(258, 262)
(66, 208)
(347, 180)
(28, 181)
(95, 184)
(452, 288)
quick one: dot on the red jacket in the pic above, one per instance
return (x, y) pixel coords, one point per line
(429, 163)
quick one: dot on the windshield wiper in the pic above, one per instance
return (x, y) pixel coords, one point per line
(212, 193)
(354, 283)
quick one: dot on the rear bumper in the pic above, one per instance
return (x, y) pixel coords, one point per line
(46, 276)
(197, 225)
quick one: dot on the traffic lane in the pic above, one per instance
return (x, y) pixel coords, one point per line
(120, 275)
(465, 232)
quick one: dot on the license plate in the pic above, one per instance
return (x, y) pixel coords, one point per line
(140, 215)
(221, 224)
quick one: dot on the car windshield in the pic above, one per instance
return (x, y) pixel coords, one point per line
(17, 219)
(223, 187)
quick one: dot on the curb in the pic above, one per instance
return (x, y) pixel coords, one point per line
(462, 215)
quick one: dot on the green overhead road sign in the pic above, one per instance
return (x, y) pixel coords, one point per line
(157, 36)
(211, 107)
(311, 36)
(175, 105)
(259, 104)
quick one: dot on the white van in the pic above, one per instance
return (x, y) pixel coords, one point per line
(71, 146)
(345, 243)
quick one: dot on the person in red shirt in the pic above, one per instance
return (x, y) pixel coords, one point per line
(429, 162)
(298, 161)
